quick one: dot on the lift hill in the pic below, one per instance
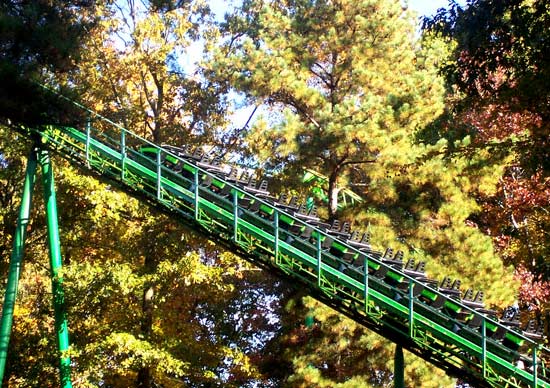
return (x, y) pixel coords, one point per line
(338, 266)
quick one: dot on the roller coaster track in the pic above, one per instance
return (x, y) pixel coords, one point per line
(453, 333)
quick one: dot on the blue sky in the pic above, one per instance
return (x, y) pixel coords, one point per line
(423, 7)
(427, 7)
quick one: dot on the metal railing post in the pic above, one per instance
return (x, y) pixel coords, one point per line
(366, 282)
(122, 153)
(535, 367)
(319, 259)
(196, 183)
(276, 236)
(235, 215)
(87, 146)
(484, 346)
(411, 307)
(159, 169)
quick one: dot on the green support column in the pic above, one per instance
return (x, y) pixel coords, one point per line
(399, 368)
(15, 262)
(61, 326)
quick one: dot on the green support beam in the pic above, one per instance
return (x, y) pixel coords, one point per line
(61, 326)
(15, 261)
(399, 367)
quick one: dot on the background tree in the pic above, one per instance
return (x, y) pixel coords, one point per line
(150, 302)
(38, 39)
(349, 91)
(330, 67)
(500, 65)
(138, 71)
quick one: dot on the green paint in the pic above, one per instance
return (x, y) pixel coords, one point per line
(286, 219)
(399, 368)
(395, 277)
(339, 247)
(218, 183)
(269, 211)
(188, 167)
(15, 261)
(513, 338)
(171, 159)
(429, 294)
(61, 326)
(452, 306)
(258, 240)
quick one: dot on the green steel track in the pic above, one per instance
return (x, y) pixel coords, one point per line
(442, 338)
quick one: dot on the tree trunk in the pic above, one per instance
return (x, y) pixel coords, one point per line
(144, 378)
(333, 191)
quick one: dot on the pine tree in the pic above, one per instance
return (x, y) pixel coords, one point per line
(500, 67)
(350, 92)
(38, 39)
(344, 78)
(146, 303)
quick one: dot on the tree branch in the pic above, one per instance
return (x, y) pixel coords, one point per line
(358, 162)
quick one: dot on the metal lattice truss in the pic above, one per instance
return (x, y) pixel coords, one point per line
(344, 274)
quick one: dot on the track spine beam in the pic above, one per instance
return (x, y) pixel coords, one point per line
(457, 345)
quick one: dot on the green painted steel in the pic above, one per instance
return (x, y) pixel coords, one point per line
(61, 326)
(346, 197)
(374, 294)
(399, 367)
(356, 293)
(15, 261)
(55, 261)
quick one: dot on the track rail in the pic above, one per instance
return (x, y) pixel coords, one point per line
(353, 280)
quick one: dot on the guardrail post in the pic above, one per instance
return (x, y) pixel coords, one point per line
(235, 215)
(535, 366)
(196, 183)
(484, 346)
(61, 326)
(366, 283)
(276, 235)
(411, 307)
(122, 153)
(159, 170)
(319, 259)
(16, 258)
(87, 147)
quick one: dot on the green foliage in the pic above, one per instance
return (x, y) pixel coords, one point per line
(350, 92)
(330, 69)
(133, 71)
(335, 351)
(126, 353)
(501, 68)
(37, 39)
